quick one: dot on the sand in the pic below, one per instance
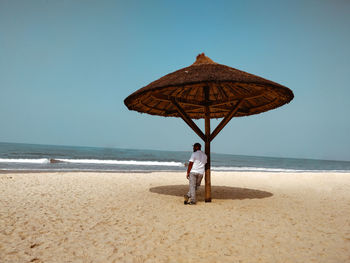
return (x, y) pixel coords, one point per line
(140, 217)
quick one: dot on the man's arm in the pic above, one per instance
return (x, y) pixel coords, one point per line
(190, 164)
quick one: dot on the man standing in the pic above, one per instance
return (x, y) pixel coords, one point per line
(195, 171)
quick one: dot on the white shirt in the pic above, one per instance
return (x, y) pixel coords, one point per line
(199, 160)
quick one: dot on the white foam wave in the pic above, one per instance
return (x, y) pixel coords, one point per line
(124, 162)
(92, 161)
(276, 170)
(260, 169)
(38, 161)
(154, 163)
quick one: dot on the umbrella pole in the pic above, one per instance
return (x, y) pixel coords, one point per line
(207, 166)
(207, 148)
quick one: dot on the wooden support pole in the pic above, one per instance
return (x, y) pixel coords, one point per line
(188, 120)
(207, 147)
(223, 123)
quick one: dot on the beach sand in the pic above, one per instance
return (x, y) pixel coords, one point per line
(140, 217)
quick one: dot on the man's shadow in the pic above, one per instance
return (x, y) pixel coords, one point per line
(217, 192)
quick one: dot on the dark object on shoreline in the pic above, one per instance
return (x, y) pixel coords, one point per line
(55, 161)
(208, 90)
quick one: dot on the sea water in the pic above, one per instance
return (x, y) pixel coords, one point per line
(32, 157)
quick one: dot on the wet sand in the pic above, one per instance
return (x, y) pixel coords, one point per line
(140, 217)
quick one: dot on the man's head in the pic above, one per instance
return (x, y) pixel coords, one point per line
(197, 146)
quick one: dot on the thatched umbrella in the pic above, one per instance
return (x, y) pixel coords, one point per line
(208, 90)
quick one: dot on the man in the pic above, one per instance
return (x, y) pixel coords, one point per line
(195, 171)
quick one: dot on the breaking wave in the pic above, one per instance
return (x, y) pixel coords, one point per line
(122, 162)
(92, 161)
(97, 164)
(273, 170)
(34, 161)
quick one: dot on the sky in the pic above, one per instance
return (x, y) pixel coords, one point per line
(67, 66)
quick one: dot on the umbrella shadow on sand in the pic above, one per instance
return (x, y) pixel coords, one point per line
(218, 192)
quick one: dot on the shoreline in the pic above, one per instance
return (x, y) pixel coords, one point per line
(76, 171)
(30, 171)
(138, 217)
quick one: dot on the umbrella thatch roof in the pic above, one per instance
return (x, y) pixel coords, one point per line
(208, 90)
(226, 87)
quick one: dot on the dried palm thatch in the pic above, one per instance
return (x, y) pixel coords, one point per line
(226, 87)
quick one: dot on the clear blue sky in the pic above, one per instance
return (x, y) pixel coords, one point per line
(66, 67)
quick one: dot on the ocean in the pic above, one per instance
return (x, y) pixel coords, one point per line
(33, 157)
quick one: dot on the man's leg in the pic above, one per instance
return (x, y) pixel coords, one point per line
(199, 180)
(189, 187)
(192, 191)
(189, 184)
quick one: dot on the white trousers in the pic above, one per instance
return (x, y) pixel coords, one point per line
(194, 181)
